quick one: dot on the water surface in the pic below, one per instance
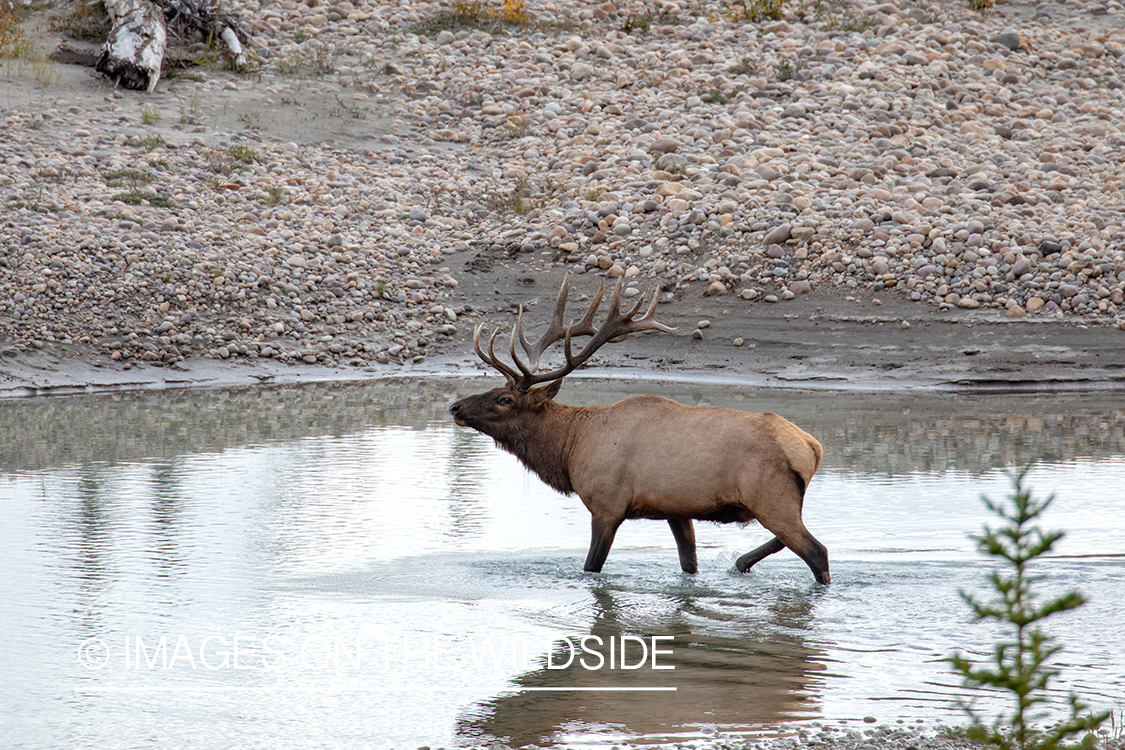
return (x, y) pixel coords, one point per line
(340, 565)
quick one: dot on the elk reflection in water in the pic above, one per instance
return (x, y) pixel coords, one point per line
(736, 663)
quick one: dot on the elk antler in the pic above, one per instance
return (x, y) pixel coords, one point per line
(558, 330)
(617, 326)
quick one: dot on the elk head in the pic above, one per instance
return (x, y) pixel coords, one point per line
(492, 412)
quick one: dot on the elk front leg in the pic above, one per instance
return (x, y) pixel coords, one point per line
(748, 560)
(602, 532)
(684, 533)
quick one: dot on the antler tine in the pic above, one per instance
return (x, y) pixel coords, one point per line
(585, 327)
(617, 327)
(647, 322)
(525, 369)
(491, 358)
(556, 331)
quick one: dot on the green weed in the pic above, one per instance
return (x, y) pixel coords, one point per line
(786, 70)
(251, 119)
(137, 198)
(115, 177)
(149, 143)
(244, 154)
(755, 11)
(37, 207)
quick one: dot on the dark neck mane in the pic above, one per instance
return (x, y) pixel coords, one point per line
(541, 443)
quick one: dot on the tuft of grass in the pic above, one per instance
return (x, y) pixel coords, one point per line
(786, 70)
(233, 159)
(31, 61)
(477, 15)
(845, 19)
(714, 95)
(352, 109)
(981, 6)
(244, 154)
(150, 115)
(53, 208)
(149, 143)
(137, 198)
(744, 67)
(115, 177)
(755, 11)
(465, 15)
(273, 196)
(252, 119)
(637, 23)
(522, 197)
(307, 62)
(1021, 665)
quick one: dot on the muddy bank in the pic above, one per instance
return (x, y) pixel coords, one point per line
(821, 340)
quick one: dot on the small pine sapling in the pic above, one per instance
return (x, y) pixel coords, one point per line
(1021, 666)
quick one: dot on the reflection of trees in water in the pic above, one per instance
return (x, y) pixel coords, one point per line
(732, 669)
(94, 533)
(166, 508)
(93, 529)
(883, 433)
(85, 547)
(466, 493)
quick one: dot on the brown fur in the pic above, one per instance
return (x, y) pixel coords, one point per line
(650, 457)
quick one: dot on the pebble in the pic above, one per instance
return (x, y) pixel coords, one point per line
(962, 161)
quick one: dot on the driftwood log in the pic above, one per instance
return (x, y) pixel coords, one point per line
(134, 53)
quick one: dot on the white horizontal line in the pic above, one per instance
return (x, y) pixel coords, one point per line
(405, 689)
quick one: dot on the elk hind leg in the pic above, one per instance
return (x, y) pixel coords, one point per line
(602, 532)
(783, 518)
(748, 560)
(684, 533)
(815, 556)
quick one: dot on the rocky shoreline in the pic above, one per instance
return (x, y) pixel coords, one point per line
(329, 208)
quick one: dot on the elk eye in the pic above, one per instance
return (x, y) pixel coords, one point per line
(504, 401)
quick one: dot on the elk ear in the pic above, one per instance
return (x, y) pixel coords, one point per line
(548, 392)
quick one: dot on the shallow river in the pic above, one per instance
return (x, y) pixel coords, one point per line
(341, 566)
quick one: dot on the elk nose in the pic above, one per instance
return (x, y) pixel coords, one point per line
(455, 408)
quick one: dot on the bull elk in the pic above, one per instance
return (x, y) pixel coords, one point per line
(646, 456)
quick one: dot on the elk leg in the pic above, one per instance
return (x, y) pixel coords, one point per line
(748, 560)
(806, 547)
(815, 556)
(601, 539)
(684, 533)
(790, 531)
